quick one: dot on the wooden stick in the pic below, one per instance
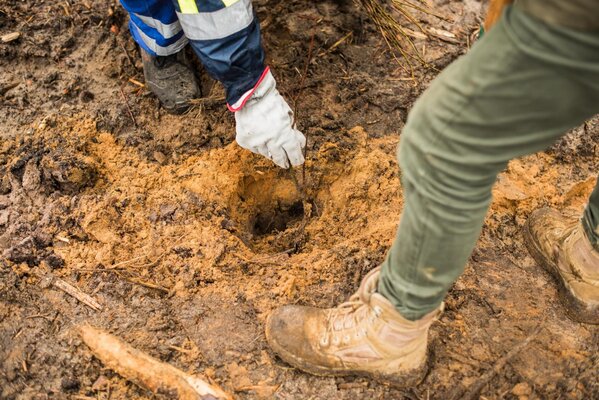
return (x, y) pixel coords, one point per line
(76, 293)
(136, 82)
(476, 387)
(9, 37)
(147, 284)
(295, 111)
(128, 107)
(129, 261)
(146, 371)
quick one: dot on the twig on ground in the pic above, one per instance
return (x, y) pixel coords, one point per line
(147, 371)
(144, 283)
(9, 37)
(45, 316)
(476, 387)
(210, 100)
(128, 107)
(296, 103)
(336, 44)
(120, 264)
(179, 349)
(165, 252)
(136, 82)
(126, 54)
(76, 293)
(125, 274)
(397, 36)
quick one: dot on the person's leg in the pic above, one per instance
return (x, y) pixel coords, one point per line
(590, 219)
(517, 90)
(225, 35)
(155, 27)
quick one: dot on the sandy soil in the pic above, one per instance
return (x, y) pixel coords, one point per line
(188, 241)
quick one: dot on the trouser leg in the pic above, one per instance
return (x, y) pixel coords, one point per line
(154, 26)
(590, 218)
(225, 35)
(517, 90)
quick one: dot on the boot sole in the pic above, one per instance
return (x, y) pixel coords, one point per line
(409, 379)
(575, 308)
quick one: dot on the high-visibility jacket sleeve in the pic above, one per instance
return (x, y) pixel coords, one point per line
(225, 35)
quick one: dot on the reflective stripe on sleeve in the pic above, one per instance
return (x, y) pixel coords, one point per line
(155, 49)
(166, 30)
(188, 6)
(218, 24)
(229, 3)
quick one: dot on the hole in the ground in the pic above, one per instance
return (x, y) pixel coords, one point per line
(278, 219)
(269, 214)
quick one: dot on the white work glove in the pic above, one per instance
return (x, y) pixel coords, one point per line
(264, 126)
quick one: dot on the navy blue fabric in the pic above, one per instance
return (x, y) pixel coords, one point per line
(209, 5)
(162, 10)
(237, 60)
(153, 32)
(161, 41)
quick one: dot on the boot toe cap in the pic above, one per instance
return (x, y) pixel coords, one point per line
(285, 326)
(292, 332)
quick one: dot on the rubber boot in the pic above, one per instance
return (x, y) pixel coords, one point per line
(365, 336)
(171, 79)
(562, 248)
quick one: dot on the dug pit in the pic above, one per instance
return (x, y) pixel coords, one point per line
(271, 213)
(278, 219)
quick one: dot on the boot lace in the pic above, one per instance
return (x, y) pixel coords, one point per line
(348, 319)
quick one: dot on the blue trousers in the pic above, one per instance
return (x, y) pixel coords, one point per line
(225, 35)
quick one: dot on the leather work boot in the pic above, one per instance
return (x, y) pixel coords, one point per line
(171, 79)
(561, 247)
(363, 336)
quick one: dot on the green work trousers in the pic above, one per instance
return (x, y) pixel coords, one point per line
(521, 87)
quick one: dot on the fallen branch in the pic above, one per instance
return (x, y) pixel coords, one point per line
(296, 100)
(476, 387)
(136, 82)
(76, 293)
(146, 371)
(144, 283)
(9, 37)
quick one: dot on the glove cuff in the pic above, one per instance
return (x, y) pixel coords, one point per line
(262, 87)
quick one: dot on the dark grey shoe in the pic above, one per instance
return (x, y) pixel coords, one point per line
(171, 79)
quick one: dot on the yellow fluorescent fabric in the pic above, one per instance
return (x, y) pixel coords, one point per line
(188, 6)
(229, 3)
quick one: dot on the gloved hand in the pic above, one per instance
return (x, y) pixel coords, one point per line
(264, 126)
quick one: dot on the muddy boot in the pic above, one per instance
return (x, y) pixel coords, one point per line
(364, 336)
(171, 79)
(561, 247)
